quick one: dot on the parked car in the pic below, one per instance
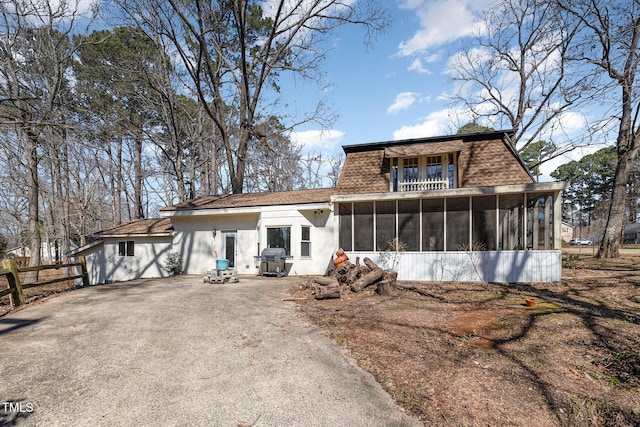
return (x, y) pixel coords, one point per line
(579, 242)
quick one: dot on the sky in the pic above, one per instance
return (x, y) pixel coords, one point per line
(396, 88)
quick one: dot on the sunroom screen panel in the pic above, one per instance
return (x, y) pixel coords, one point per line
(409, 224)
(433, 224)
(385, 224)
(483, 226)
(363, 226)
(457, 224)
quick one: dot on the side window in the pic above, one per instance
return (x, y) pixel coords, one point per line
(130, 247)
(279, 237)
(305, 242)
(126, 248)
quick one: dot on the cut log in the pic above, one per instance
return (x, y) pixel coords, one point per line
(390, 275)
(367, 280)
(372, 265)
(386, 288)
(325, 281)
(326, 292)
(355, 274)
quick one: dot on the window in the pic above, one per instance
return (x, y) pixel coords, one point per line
(410, 169)
(305, 242)
(279, 237)
(434, 167)
(451, 171)
(126, 248)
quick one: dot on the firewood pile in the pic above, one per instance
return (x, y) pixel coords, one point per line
(350, 277)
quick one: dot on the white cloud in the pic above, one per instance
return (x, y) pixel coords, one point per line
(442, 122)
(416, 66)
(572, 122)
(441, 22)
(402, 102)
(317, 139)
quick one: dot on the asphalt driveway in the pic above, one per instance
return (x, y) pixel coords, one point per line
(181, 352)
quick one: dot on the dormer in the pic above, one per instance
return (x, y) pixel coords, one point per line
(432, 164)
(424, 167)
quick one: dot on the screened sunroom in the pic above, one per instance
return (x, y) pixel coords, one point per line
(503, 233)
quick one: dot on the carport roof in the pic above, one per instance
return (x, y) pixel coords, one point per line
(295, 197)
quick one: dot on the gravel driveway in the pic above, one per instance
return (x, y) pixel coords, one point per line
(177, 351)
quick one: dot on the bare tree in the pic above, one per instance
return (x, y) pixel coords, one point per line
(336, 161)
(515, 73)
(276, 165)
(235, 52)
(609, 44)
(35, 54)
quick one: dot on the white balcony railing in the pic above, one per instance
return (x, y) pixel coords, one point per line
(424, 185)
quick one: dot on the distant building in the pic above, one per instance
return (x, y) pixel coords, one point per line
(567, 231)
(632, 233)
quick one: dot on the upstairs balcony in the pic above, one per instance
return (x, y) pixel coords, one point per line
(423, 185)
(424, 173)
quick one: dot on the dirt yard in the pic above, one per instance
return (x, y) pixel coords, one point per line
(32, 295)
(475, 354)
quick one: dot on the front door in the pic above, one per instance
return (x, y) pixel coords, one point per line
(229, 247)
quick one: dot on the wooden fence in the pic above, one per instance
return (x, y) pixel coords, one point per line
(16, 288)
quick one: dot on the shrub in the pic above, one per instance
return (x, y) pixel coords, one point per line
(173, 263)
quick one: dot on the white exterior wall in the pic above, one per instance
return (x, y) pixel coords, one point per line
(96, 266)
(196, 241)
(104, 264)
(321, 223)
(488, 266)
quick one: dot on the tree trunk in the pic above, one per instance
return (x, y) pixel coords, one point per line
(214, 169)
(610, 244)
(33, 197)
(118, 196)
(138, 209)
(628, 146)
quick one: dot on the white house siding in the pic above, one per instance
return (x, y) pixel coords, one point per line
(196, 241)
(95, 267)
(105, 264)
(321, 223)
(489, 266)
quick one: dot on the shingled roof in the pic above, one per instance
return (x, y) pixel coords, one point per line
(321, 195)
(486, 159)
(141, 226)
